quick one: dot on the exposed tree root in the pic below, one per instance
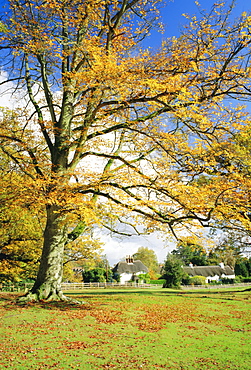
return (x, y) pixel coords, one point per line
(30, 297)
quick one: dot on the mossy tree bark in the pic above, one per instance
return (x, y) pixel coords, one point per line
(49, 278)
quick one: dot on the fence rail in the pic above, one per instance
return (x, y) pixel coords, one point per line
(216, 286)
(77, 286)
(81, 286)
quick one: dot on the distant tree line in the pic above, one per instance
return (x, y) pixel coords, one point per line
(229, 251)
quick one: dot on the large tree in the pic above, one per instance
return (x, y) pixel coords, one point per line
(112, 133)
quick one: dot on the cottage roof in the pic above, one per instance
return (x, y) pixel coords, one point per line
(132, 267)
(208, 270)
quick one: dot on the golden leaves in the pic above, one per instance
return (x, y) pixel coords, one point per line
(21, 229)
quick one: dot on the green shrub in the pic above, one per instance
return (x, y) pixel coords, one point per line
(159, 281)
(144, 277)
(214, 282)
(227, 281)
(197, 280)
(238, 279)
(94, 275)
(186, 279)
(245, 279)
(116, 277)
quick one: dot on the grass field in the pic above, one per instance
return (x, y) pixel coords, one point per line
(129, 329)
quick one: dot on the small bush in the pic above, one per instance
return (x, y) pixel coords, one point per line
(116, 277)
(214, 282)
(94, 275)
(145, 278)
(197, 280)
(239, 279)
(186, 279)
(227, 281)
(245, 279)
(159, 281)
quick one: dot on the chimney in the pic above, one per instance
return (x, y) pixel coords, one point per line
(129, 259)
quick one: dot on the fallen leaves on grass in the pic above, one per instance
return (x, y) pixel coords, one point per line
(157, 316)
(107, 317)
(126, 362)
(76, 345)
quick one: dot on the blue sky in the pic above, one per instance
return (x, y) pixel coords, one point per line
(173, 19)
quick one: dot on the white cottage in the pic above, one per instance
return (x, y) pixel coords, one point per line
(129, 269)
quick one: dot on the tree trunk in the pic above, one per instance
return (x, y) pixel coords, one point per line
(48, 283)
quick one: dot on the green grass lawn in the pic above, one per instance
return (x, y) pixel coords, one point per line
(129, 329)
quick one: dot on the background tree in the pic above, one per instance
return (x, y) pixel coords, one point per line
(98, 261)
(241, 269)
(228, 250)
(172, 272)
(97, 270)
(85, 248)
(149, 258)
(248, 264)
(106, 134)
(189, 251)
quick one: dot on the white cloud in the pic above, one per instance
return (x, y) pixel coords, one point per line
(116, 248)
(7, 90)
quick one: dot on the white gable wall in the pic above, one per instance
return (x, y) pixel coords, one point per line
(127, 276)
(124, 277)
(212, 278)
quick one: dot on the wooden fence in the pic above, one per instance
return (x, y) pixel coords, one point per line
(80, 286)
(77, 286)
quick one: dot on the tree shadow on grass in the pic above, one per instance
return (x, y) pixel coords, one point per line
(164, 291)
(221, 293)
